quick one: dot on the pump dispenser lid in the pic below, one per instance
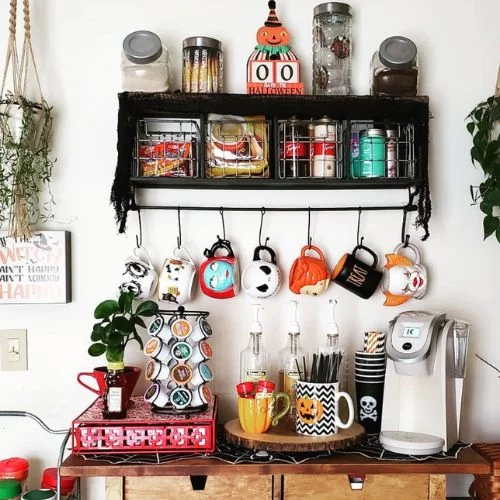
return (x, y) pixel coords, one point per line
(256, 326)
(333, 328)
(294, 326)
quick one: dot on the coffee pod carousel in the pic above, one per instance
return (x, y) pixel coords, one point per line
(179, 351)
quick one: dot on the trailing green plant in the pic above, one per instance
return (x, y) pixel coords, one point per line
(483, 123)
(117, 325)
(25, 164)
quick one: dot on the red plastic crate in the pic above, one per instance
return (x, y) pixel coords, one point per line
(144, 431)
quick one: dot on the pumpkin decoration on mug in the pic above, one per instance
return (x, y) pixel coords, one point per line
(403, 279)
(309, 275)
(219, 274)
(309, 410)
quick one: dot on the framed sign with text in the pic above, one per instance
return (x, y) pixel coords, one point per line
(37, 270)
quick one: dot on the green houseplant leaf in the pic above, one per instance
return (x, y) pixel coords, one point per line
(490, 224)
(118, 325)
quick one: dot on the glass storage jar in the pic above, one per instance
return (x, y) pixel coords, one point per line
(394, 68)
(145, 63)
(332, 32)
(202, 65)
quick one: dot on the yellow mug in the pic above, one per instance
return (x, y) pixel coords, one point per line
(257, 414)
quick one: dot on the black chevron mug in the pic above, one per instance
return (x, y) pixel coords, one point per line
(317, 409)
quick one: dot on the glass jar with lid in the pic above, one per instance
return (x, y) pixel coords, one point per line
(394, 68)
(202, 65)
(145, 63)
(332, 48)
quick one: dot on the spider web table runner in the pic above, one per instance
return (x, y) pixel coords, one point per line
(232, 454)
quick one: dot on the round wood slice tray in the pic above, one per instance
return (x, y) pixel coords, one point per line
(282, 438)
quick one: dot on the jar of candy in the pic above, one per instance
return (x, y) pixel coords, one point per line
(145, 63)
(394, 68)
(332, 39)
(68, 483)
(202, 65)
(15, 468)
(10, 489)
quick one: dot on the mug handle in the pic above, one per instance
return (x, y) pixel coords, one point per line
(270, 251)
(285, 410)
(315, 248)
(136, 249)
(219, 244)
(412, 247)
(81, 382)
(180, 250)
(350, 420)
(369, 250)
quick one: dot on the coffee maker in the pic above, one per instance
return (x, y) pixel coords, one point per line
(423, 384)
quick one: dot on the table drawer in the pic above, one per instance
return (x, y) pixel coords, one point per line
(181, 487)
(375, 486)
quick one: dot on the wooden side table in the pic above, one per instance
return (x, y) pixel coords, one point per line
(209, 478)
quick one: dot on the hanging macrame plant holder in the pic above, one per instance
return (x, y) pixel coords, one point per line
(25, 130)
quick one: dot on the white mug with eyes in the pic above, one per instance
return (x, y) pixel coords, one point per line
(261, 278)
(139, 276)
(177, 278)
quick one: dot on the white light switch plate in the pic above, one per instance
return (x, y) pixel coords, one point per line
(13, 350)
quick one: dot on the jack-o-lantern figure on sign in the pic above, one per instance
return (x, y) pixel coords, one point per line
(309, 410)
(272, 67)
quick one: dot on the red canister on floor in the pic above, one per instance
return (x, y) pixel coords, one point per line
(68, 484)
(15, 468)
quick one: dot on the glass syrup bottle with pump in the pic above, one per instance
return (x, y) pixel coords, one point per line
(333, 345)
(291, 359)
(255, 360)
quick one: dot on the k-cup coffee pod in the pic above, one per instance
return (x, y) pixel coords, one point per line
(202, 395)
(157, 349)
(180, 398)
(201, 374)
(156, 370)
(181, 328)
(157, 395)
(159, 328)
(201, 352)
(181, 374)
(181, 351)
(201, 330)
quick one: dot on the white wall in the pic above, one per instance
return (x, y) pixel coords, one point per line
(78, 47)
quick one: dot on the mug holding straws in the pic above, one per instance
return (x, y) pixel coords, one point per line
(318, 397)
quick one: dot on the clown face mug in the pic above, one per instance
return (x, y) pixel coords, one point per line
(403, 279)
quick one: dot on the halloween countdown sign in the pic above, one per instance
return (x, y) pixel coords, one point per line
(273, 68)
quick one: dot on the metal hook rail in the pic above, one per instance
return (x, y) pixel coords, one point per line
(409, 207)
(45, 427)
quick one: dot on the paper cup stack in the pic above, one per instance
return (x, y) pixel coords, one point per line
(178, 369)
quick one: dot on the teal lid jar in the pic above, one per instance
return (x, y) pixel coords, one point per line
(10, 489)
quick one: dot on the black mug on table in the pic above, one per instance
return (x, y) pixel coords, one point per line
(357, 276)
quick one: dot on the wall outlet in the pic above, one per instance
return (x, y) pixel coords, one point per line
(13, 350)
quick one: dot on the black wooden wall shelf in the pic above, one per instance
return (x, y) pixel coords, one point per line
(134, 107)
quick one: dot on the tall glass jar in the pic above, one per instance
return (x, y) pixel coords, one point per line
(202, 65)
(394, 68)
(332, 47)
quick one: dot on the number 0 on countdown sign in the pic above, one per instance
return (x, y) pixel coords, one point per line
(275, 72)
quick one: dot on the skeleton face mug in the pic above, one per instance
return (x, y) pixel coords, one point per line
(261, 278)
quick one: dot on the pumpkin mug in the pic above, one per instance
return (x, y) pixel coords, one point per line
(403, 278)
(309, 275)
(261, 278)
(259, 413)
(318, 409)
(219, 275)
(355, 275)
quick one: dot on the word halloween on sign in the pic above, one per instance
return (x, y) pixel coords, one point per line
(37, 270)
(272, 67)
